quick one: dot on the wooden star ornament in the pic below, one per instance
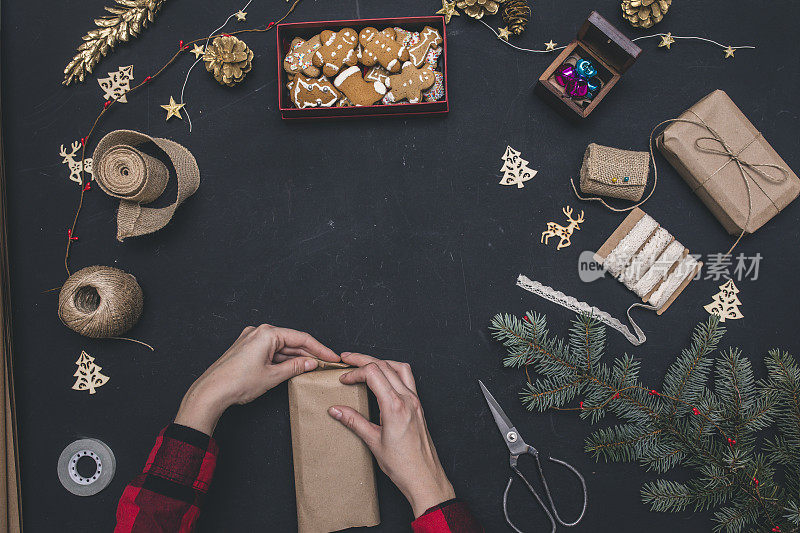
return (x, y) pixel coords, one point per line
(729, 51)
(241, 16)
(448, 10)
(503, 33)
(173, 109)
(666, 41)
(550, 46)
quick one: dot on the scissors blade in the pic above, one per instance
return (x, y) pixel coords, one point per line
(507, 430)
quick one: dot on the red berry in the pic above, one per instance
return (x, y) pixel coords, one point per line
(776, 529)
(180, 45)
(87, 187)
(654, 393)
(526, 319)
(148, 78)
(755, 481)
(581, 404)
(695, 411)
(83, 141)
(615, 396)
(108, 103)
(271, 24)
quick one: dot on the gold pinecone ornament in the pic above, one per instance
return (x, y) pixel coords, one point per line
(478, 8)
(229, 59)
(516, 14)
(645, 13)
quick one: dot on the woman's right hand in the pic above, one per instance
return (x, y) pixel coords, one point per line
(401, 444)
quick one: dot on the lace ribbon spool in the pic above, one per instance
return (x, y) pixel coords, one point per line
(100, 302)
(124, 172)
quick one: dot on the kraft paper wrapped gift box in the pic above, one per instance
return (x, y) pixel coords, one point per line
(729, 164)
(334, 475)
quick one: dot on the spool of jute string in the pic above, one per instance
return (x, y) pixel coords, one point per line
(125, 172)
(100, 302)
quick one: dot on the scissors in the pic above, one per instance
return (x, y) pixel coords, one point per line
(518, 447)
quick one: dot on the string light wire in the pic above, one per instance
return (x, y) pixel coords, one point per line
(199, 59)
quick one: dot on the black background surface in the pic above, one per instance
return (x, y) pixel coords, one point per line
(387, 236)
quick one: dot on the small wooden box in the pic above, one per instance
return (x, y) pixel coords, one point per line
(610, 51)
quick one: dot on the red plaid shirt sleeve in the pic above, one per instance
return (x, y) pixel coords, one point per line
(452, 516)
(168, 494)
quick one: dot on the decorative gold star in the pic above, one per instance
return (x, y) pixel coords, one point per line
(550, 46)
(173, 109)
(503, 33)
(241, 15)
(729, 51)
(666, 40)
(198, 51)
(448, 10)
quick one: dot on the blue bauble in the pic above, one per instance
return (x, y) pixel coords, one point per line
(585, 68)
(594, 86)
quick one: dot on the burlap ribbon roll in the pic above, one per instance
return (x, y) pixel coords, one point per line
(125, 172)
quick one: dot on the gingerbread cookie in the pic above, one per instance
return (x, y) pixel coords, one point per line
(428, 38)
(336, 50)
(436, 92)
(310, 92)
(377, 73)
(410, 83)
(358, 91)
(432, 57)
(405, 37)
(383, 48)
(300, 56)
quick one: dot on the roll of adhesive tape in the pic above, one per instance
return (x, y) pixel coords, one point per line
(105, 465)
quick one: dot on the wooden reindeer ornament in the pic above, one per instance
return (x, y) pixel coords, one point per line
(75, 165)
(562, 232)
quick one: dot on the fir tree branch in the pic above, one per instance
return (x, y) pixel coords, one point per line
(712, 431)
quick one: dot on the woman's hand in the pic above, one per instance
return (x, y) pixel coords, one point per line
(402, 446)
(260, 359)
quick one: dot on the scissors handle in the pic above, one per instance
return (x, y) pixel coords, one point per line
(551, 511)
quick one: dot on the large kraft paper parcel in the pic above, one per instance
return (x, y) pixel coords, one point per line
(714, 167)
(334, 475)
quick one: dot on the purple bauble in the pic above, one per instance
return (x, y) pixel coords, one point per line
(564, 74)
(577, 88)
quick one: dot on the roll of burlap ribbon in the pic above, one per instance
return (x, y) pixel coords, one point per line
(100, 302)
(125, 172)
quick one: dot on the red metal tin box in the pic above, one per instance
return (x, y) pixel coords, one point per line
(288, 31)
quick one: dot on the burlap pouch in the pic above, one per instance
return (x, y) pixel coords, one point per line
(614, 173)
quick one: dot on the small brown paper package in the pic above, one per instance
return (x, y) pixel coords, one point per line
(728, 164)
(334, 475)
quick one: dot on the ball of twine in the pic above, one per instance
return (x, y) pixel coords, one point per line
(100, 302)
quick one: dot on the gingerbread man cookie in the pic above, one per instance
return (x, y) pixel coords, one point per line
(358, 91)
(428, 38)
(310, 92)
(336, 50)
(383, 48)
(410, 83)
(300, 56)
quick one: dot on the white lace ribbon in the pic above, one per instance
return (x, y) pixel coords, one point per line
(636, 337)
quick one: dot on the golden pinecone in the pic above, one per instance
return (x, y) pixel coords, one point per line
(645, 13)
(478, 8)
(229, 59)
(516, 14)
